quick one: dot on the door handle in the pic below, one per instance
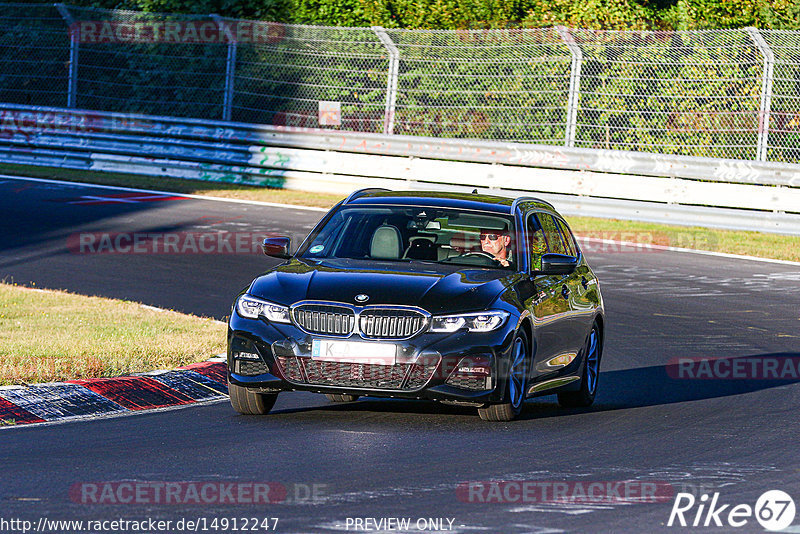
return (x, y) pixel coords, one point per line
(565, 292)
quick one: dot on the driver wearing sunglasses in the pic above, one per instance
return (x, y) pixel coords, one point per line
(495, 242)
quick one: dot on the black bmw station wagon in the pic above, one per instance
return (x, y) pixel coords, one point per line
(466, 299)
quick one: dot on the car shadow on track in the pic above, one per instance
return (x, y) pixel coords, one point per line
(691, 379)
(681, 381)
(386, 406)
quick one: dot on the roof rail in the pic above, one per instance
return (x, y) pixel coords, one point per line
(355, 194)
(529, 199)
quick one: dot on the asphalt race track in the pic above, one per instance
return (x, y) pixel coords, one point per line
(653, 425)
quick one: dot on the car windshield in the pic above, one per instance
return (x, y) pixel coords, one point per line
(406, 234)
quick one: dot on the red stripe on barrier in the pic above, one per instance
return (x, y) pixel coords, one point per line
(10, 413)
(136, 392)
(217, 371)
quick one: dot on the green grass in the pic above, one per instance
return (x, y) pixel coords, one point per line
(759, 244)
(53, 336)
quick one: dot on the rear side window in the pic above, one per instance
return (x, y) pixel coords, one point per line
(537, 244)
(569, 239)
(552, 234)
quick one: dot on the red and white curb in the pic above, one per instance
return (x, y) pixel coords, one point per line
(76, 399)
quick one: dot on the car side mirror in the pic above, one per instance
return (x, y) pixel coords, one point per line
(557, 264)
(277, 247)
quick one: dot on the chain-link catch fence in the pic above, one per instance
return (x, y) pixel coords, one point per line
(725, 94)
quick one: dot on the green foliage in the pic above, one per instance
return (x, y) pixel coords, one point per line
(721, 14)
(326, 12)
(444, 14)
(591, 14)
(461, 14)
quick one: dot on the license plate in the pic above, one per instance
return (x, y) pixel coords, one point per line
(354, 352)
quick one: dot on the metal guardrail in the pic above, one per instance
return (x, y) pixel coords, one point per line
(676, 189)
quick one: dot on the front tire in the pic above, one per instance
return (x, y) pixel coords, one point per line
(248, 402)
(584, 397)
(515, 388)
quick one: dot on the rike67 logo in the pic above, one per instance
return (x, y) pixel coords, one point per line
(774, 510)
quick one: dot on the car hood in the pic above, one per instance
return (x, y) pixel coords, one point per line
(434, 287)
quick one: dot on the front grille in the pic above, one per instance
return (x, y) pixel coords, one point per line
(290, 367)
(473, 383)
(390, 323)
(400, 376)
(355, 374)
(325, 319)
(251, 367)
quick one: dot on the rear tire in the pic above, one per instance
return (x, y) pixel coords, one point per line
(516, 385)
(248, 402)
(341, 398)
(584, 397)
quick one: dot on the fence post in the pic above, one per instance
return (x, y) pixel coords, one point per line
(766, 93)
(391, 84)
(230, 68)
(574, 84)
(72, 80)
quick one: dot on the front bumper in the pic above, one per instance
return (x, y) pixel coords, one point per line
(278, 357)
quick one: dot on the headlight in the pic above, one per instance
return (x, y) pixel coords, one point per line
(474, 322)
(252, 307)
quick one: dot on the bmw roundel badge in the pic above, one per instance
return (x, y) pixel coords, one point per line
(361, 297)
